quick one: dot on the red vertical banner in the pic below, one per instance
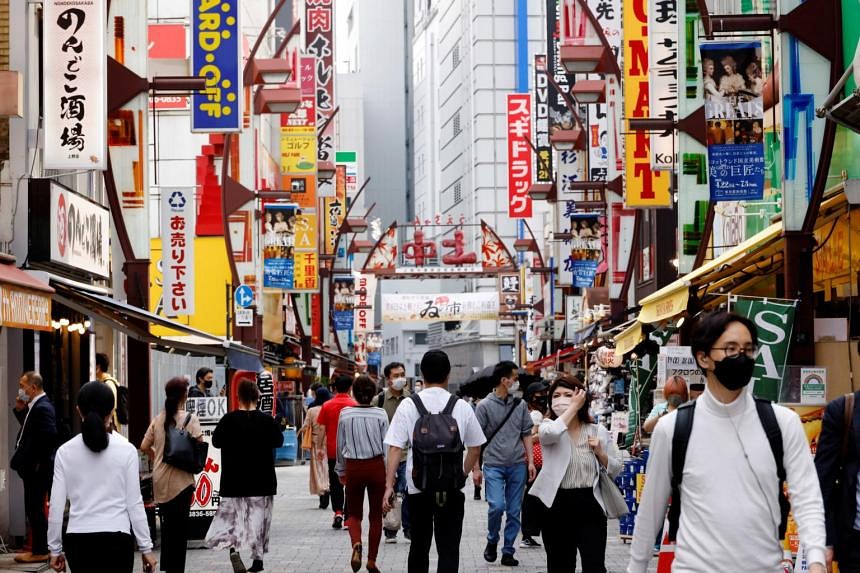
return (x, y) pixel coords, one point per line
(316, 319)
(519, 110)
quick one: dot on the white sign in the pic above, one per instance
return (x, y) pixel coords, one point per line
(440, 307)
(178, 211)
(74, 80)
(207, 484)
(678, 361)
(79, 232)
(663, 76)
(813, 386)
(209, 409)
(244, 317)
(363, 319)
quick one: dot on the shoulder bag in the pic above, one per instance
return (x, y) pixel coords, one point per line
(614, 504)
(183, 451)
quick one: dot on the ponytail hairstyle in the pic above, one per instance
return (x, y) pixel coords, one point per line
(176, 390)
(95, 402)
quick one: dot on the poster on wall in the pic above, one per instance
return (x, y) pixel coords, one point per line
(343, 302)
(215, 41)
(519, 155)
(678, 361)
(734, 110)
(290, 258)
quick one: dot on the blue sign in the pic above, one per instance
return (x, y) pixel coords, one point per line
(374, 359)
(584, 273)
(278, 273)
(244, 296)
(215, 56)
(736, 172)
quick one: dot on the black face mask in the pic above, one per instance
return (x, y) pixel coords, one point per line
(734, 373)
(207, 383)
(539, 404)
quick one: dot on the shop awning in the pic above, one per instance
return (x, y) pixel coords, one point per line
(569, 354)
(25, 301)
(627, 339)
(12, 275)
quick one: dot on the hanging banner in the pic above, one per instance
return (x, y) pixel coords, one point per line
(74, 84)
(343, 302)
(334, 210)
(519, 155)
(178, 210)
(290, 260)
(678, 361)
(364, 300)
(775, 322)
(580, 255)
(663, 77)
(543, 161)
(215, 39)
(734, 113)
(319, 44)
(439, 307)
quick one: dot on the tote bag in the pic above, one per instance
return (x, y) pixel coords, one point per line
(183, 451)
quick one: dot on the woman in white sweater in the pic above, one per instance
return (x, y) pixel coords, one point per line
(97, 471)
(575, 451)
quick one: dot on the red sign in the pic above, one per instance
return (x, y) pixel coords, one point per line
(166, 42)
(169, 102)
(519, 155)
(316, 319)
(306, 114)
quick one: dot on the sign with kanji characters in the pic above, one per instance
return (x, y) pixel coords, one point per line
(334, 210)
(543, 161)
(290, 258)
(178, 210)
(510, 294)
(734, 112)
(215, 41)
(319, 44)
(663, 76)
(603, 148)
(439, 307)
(299, 142)
(74, 84)
(298, 150)
(519, 155)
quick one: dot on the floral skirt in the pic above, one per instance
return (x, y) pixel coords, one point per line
(242, 523)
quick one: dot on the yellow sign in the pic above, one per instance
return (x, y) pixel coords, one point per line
(334, 210)
(298, 149)
(306, 231)
(665, 306)
(628, 339)
(24, 308)
(833, 260)
(306, 271)
(643, 187)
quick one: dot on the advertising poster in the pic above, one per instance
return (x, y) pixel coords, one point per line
(319, 36)
(207, 484)
(582, 254)
(215, 40)
(813, 385)
(178, 213)
(343, 301)
(543, 161)
(509, 291)
(519, 155)
(734, 110)
(678, 361)
(290, 258)
(440, 307)
(298, 141)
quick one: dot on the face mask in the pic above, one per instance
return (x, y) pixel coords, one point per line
(514, 386)
(560, 405)
(734, 373)
(537, 417)
(207, 383)
(398, 383)
(539, 404)
(23, 395)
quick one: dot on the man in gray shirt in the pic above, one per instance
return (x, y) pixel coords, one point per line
(506, 459)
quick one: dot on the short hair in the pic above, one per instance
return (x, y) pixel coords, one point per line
(247, 392)
(343, 383)
(711, 327)
(391, 366)
(202, 372)
(435, 367)
(503, 370)
(102, 361)
(34, 379)
(571, 383)
(363, 389)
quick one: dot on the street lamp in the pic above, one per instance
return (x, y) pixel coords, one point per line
(269, 71)
(568, 139)
(525, 246)
(586, 59)
(543, 191)
(277, 100)
(326, 170)
(590, 91)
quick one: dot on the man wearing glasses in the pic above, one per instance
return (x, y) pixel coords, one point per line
(729, 490)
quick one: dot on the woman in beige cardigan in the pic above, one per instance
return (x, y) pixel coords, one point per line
(318, 482)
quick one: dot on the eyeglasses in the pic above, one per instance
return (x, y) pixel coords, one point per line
(733, 350)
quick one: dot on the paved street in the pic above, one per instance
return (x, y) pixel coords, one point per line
(302, 540)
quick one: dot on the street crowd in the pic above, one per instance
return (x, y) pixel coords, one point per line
(718, 460)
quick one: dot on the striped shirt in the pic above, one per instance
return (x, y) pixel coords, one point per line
(360, 435)
(582, 469)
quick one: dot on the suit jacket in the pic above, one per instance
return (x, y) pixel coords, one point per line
(840, 499)
(38, 440)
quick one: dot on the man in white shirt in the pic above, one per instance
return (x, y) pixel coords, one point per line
(729, 506)
(428, 510)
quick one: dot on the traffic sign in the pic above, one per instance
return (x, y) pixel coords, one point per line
(244, 317)
(243, 297)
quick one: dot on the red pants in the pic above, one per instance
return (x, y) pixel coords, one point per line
(361, 475)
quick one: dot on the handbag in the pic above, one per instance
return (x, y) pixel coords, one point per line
(391, 520)
(183, 451)
(614, 504)
(307, 438)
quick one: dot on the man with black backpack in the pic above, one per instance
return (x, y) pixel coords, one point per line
(724, 468)
(437, 427)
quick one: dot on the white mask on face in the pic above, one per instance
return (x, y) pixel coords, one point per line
(23, 395)
(398, 383)
(560, 405)
(537, 417)
(515, 385)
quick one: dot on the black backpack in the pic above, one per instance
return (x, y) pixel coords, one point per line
(121, 401)
(437, 449)
(681, 438)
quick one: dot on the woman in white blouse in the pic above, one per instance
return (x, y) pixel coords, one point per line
(98, 538)
(575, 451)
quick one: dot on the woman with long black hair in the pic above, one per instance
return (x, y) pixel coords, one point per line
(101, 519)
(173, 487)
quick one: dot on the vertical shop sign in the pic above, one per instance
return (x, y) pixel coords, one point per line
(543, 161)
(215, 39)
(519, 155)
(663, 77)
(290, 259)
(319, 43)
(334, 210)
(74, 84)
(299, 142)
(582, 253)
(622, 225)
(177, 239)
(343, 301)
(366, 289)
(644, 188)
(734, 112)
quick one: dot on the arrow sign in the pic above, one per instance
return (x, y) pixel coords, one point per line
(244, 296)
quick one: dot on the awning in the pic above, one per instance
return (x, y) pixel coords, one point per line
(25, 301)
(628, 338)
(569, 354)
(12, 275)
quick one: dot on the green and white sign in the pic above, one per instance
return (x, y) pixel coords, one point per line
(813, 386)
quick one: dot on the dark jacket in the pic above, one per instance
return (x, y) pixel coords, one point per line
(38, 440)
(195, 392)
(247, 441)
(840, 500)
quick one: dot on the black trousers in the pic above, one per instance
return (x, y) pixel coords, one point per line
(532, 514)
(36, 487)
(174, 531)
(99, 552)
(335, 488)
(440, 514)
(850, 562)
(575, 522)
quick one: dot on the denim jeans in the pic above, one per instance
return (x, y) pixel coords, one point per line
(400, 486)
(505, 486)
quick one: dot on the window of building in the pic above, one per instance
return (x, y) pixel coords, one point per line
(456, 124)
(506, 352)
(420, 338)
(458, 192)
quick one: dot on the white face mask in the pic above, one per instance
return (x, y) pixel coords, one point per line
(537, 417)
(23, 395)
(515, 385)
(560, 405)
(399, 383)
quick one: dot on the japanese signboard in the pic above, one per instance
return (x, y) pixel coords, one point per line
(663, 76)
(334, 210)
(603, 150)
(215, 41)
(644, 188)
(519, 155)
(290, 259)
(23, 308)
(74, 68)
(209, 409)
(366, 286)
(207, 484)
(734, 110)
(343, 301)
(319, 43)
(543, 161)
(509, 291)
(178, 210)
(622, 225)
(678, 361)
(439, 307)
(298, 141)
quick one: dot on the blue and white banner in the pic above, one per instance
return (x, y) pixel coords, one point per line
(734, 112)
(344, 302)
(215, 56)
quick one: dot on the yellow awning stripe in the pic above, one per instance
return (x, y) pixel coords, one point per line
(628, 339)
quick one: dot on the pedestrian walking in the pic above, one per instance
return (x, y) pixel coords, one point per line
(675, 393)
(389, 400)
(318, 481)
(103, 375)
(724, 468)
(203, 383)
(837, 461)
(172, 486)
(575, 452)
(535, 397)
(328, 418)
(506, 459)
(101, 519)
(436, 427)
(34, 459)
(361, 466)
(247, 438)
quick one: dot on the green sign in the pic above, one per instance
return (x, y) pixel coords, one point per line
(775, 322)
(345, 157)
